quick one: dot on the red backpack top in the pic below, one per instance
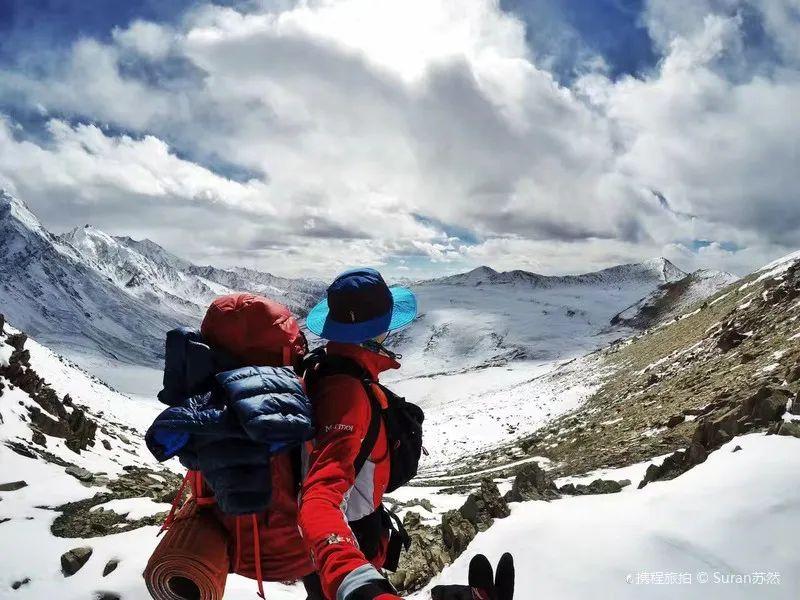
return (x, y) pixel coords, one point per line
(254, 329)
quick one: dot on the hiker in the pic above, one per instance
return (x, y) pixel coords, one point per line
(344, 525)
(240, 418)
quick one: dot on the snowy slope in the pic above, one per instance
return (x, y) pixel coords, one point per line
(673, 298)
(737, 513)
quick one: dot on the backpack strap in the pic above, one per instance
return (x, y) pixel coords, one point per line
(399, 538)
(368, 444)
(318, 364)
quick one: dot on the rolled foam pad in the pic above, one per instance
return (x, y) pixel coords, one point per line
(191, 562)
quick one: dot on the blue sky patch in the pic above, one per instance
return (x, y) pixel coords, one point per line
(567, 35)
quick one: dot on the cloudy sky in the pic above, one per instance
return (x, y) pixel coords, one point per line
(422, 136)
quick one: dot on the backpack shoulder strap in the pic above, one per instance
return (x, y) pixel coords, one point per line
(319, 364)
(371, 438)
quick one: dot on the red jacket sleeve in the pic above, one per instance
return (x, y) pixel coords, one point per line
(342, 414)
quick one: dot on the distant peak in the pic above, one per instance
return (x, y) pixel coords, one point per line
(8, 199)
(666, 269)
(86, 232)
(483, 270)
(16, 210)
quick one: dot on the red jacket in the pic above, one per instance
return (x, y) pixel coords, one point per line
(331, 495)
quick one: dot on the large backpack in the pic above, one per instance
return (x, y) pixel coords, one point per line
(403, 425)
(213, 399)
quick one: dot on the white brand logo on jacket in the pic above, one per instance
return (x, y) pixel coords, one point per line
(337, 427)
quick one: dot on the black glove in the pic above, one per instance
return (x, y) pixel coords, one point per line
(483, 584)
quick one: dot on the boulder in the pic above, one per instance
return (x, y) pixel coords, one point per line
(79, 473)
(48, 400)
(532, 483)
(484, 505)
(766, 405)
(598, 486)
(106, 444)
(12, 486)
(82, 431)
(696, 454)
(712, 432)
(790, 428)
(73, 560)
(110, 566)
(425, 558)
(39, 439)
(18, 584)
(17, 341)
(675, 464)
(729, 339)
(47, 424)
(794, 408)
(457, 532)
(675, 420)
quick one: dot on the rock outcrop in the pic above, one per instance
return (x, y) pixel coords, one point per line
(765, 407)
(484, 506)
(532, 483)
(52, 416)
(598, 486)
(434, 547)
(12, 486)
(73, 560)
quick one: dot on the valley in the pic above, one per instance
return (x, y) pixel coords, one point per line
(535, 387)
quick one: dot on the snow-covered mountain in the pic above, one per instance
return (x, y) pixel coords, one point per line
(147, 271)
(90, 294)
(47, 288)
(486, 318)
(141, 269)
(672, 298)
(656, 269)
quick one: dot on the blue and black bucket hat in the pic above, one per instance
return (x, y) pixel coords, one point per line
(360, 306)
